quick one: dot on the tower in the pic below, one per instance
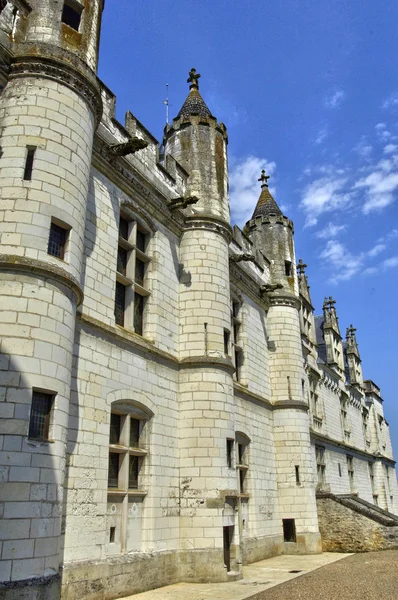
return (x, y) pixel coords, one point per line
(353, 358)
(333, 340)
(208, 489)
(272, 234)
(49, 108)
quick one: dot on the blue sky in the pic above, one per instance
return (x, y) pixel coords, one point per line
(309, 91)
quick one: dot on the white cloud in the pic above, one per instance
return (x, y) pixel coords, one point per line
(363, 148)
(322, 136)
(244, 186)
(380, 187)
(344, 263)
(376, 250)
(391, 102)
(324, 195)
(390, 262)
(330, 231)
(334, 99)
(390, 148)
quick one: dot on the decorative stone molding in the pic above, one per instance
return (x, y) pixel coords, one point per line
(10, 262)
(211, 224)
(246, 283)
(284, 300)
(42, 66)
(208, 361)
(296, 404)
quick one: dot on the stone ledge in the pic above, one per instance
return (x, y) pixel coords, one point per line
(40, 267)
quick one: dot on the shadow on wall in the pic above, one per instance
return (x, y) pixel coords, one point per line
(32, 469)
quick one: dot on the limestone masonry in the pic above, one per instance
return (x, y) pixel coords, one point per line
(171, 407)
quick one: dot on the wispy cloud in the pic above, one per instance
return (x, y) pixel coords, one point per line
(345, 264)
(244, 186)
(391, 102)
(330, 231)
(363, 148)
(390, 149)
(390, 262)
(324, 195)
(334, 99)
(379, 186)
(321, 136)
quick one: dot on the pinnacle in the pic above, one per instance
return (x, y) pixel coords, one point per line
(266, 205)
(194, 104)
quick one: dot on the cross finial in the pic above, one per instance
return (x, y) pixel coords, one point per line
(351, 332)
(193, 79)
(301, 267)
(264, 178)
(331, 302)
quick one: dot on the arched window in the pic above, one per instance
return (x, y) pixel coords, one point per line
(128, 450)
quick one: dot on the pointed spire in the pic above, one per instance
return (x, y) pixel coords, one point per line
(266, 205)
(194, 104)
(330, 315)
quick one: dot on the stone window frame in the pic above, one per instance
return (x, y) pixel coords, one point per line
(133, 289)
(344, 416)
(57, 224)
(320, 452)
(128, 410)
(242, 461)
(49, 417)
(351, 472)
(236, 336)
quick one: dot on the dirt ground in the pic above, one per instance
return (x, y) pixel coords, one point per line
(368, 576)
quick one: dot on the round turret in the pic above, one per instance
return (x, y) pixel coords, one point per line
(199, 143)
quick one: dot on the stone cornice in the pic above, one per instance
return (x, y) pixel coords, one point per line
(129, 337)
(316, 435)
(284, 300)
(86, 85)
(209, 361)
(10, 262)
(296, 404)
(211, 223)
(240, 390)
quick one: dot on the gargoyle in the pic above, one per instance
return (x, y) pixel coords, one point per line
(182, 202)
(133, 145)
(242, 257)
(270, 287)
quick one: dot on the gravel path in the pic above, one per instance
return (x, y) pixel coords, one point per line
(368, 576)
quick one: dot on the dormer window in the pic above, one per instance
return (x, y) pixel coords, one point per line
(72, 14)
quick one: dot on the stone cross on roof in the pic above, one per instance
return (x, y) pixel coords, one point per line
(193, 79)
(329, 303)
(301, 267)
(351, 332)
(264, 178)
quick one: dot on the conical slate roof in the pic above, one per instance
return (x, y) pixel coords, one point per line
(194, 104)
(266, 205)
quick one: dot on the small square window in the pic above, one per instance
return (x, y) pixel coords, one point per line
(289, 530)
(57, 241)
(72, 13)
(39, 423)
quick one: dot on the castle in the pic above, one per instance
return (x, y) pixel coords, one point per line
(171, 407)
